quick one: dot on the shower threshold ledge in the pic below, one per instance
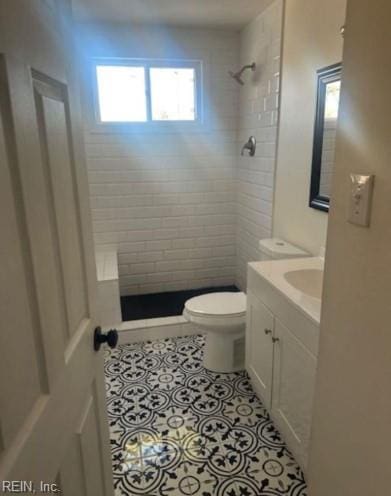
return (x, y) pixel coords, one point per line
(168, 304)
(162, 327)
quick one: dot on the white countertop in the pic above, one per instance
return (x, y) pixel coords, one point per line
(273, 271)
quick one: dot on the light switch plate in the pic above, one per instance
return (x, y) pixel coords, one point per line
(360, 199)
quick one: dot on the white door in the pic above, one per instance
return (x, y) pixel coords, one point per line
(293, 389)
(52, 413)
(259, 347)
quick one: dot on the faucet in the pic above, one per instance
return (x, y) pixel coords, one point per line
(250, 146)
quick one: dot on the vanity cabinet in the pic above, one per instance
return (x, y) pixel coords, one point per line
(294, 372)
(282, 370)
(259, 348)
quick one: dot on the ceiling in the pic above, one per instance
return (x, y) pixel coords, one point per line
(233, 14)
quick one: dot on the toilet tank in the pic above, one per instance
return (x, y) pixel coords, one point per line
(276, 248)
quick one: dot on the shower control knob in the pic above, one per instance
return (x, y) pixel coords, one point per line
(267, 331)
(275, 340)
(111, 338)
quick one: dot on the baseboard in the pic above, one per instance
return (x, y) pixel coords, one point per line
(135, 331)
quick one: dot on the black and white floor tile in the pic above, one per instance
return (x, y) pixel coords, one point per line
(178, 429)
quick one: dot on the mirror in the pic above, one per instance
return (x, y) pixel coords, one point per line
(327, 106)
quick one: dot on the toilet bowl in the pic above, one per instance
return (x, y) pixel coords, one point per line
(222, 316)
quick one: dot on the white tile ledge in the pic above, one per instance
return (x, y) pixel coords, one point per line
(106, 266)
(134, 331)
(130, 325)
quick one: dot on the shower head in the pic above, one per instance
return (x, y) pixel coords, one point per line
(238, 75)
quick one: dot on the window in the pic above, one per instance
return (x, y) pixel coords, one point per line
(142, 92)
(332, 100)
(172, 94)
(121, 93)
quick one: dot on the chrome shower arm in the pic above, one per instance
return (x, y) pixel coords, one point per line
(248, 66)
(237, 75)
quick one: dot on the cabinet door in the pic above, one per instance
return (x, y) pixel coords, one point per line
(293, 388)
(259, 347)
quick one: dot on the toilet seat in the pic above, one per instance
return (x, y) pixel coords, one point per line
(223, 311)
(217, 305)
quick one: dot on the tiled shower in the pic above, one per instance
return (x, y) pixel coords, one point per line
(182, 207)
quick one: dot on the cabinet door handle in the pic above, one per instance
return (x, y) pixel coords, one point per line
(267, 331)
(275, 340)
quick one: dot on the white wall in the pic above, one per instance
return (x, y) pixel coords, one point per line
(350, 453)
(260, 42)
(167, 201)
(312, 40)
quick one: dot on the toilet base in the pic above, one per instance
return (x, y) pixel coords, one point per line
(224, 352)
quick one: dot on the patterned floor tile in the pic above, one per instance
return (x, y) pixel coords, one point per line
(177, 429)
(244, 410)
(278, 469)
(188, 480)
(166, 378)
(176, 422)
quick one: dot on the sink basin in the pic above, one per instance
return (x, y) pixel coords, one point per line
(299, 280)
(308, 281)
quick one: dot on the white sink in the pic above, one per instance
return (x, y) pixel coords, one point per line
(298, 279)
(308, 281)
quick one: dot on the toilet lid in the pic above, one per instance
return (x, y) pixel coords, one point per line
(217, 304)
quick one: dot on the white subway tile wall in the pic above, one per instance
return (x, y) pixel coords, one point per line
(182, 209)
(328, 156)
(258, 116)
(167, 201)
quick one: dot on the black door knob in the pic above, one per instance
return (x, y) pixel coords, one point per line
(111, 338)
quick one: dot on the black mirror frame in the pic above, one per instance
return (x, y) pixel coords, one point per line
(325, 75)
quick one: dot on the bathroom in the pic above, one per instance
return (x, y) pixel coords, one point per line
(201, 247)
(177, 201)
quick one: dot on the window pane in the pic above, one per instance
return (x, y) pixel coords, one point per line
(121, 92)
(173, 94)
(332, 100)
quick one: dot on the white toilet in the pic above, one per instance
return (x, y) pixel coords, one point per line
(223, 315)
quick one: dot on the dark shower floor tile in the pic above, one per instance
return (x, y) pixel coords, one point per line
(169, 304)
